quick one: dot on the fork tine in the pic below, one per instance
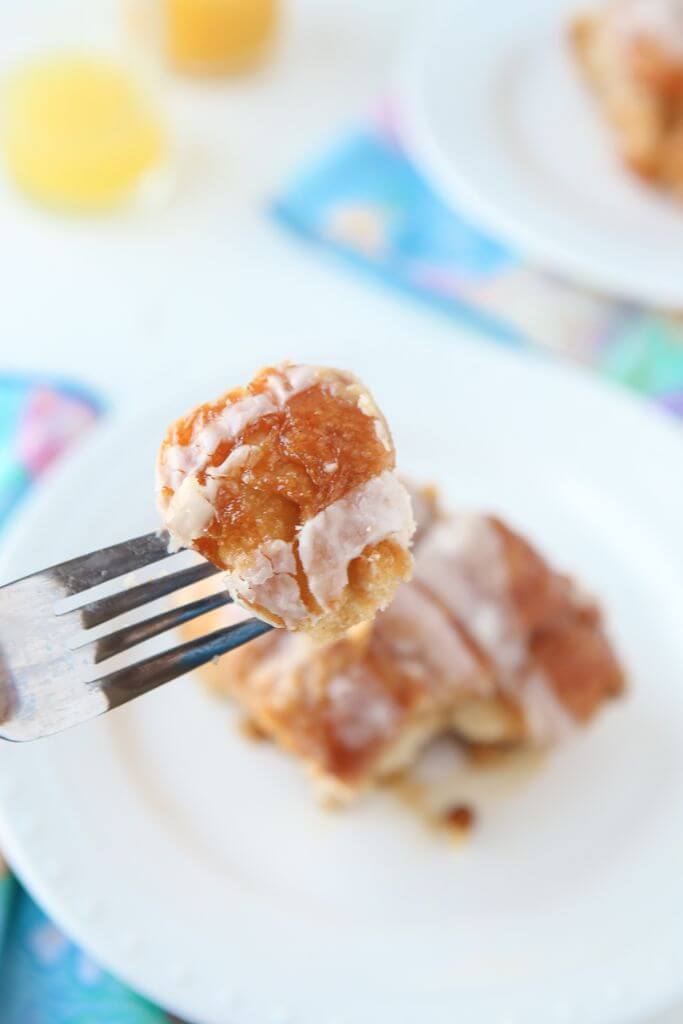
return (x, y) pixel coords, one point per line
(96, 612)
(134, 680)
(100, 566)
(129, 636)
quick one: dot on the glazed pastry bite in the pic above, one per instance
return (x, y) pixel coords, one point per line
(632, 54)
(289, 485)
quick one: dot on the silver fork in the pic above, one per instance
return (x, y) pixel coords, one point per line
(46, 686)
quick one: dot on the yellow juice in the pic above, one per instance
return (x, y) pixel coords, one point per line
(78, 132)
(208, 37)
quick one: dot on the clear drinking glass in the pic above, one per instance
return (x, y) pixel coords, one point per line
(82, 125)
(207, 37)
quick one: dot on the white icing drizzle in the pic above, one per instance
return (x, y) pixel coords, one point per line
(660, 20)
(191, 508)
(177, 461)
(289, 380)
(362, 714)
(416, 633)
(270, 581)
(189, 512)
(375, 511)
(462, 563)
(238, 458)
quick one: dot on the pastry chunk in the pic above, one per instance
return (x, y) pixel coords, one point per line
(289, 485)
(487, 643)
(540, 636)
(632, 53)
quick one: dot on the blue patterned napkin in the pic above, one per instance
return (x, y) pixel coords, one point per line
(365, 203)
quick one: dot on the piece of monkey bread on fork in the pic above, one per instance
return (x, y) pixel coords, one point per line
(289, 485)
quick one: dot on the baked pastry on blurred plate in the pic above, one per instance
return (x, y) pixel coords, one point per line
(632, 53)
(487, 643)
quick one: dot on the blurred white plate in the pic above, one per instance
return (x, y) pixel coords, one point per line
(499, 118)
(198, 867)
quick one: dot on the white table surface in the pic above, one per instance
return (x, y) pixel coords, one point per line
(125, 303)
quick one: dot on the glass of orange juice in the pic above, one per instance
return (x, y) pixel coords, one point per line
(80, 132)
(208, 37)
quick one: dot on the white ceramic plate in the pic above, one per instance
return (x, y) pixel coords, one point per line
(498, 116)
(198, 867)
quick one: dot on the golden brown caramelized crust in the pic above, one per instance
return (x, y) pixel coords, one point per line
(289, 485)
(486, 642)
(542, 638)
(632, 54)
